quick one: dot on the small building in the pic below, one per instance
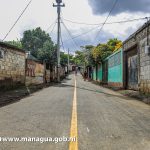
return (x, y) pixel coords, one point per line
(12, 66)
(136, 51)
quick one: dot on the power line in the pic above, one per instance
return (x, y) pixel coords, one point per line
(106, 18)
(69, 33)
(51, 26)
(17, 20)
(69, 39)
(117, 22)
(82, 34)
(92, 29)
(62, 44)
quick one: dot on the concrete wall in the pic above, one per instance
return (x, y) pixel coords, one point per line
(139, 39)
(12, 66)
(62, 71)
(34, 72)
(144, 67)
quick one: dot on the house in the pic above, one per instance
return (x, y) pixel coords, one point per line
(136, 58)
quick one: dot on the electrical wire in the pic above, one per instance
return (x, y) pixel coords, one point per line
(52, 29)
(69, 39)
(62, 44)
(69, 33)
(92, 29)
(51, 26)
(106, 18)
(82, 34)
(17, 20)
(117, 22)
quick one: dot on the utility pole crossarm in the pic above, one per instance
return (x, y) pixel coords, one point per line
(59, 5)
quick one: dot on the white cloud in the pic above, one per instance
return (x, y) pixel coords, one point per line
(41, 13)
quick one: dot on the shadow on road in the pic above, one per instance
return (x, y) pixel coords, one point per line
(95, 91)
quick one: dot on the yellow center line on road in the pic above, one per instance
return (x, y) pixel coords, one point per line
(74, 130)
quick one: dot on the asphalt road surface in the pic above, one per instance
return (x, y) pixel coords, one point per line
(99, 118)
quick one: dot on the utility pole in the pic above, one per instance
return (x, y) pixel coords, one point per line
(68, 60)
(58, 5)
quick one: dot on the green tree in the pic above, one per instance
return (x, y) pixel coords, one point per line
(89, 60)
(79, 58)
(38, 42)
(84, 57)
(63, 58)
(114, 44)
(102, 51)
(48, 52)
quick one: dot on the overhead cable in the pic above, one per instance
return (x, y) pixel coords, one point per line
(117, 22)
(106, 18)
(69, 33)
(17, 20)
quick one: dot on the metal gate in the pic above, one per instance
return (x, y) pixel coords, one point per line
(133, 72)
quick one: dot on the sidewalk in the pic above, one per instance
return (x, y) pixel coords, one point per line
(129, 93)
(136, 94)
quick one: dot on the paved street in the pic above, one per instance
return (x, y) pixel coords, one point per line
(103, 119)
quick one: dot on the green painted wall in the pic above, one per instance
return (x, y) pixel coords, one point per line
(94, 73)
(115, 72)
(100, 73)
(115, 68)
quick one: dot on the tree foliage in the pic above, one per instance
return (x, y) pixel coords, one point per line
(90, 55)
(39, 43)
(63, 58)
(114, 44)
(47, 52)
(101, 51)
